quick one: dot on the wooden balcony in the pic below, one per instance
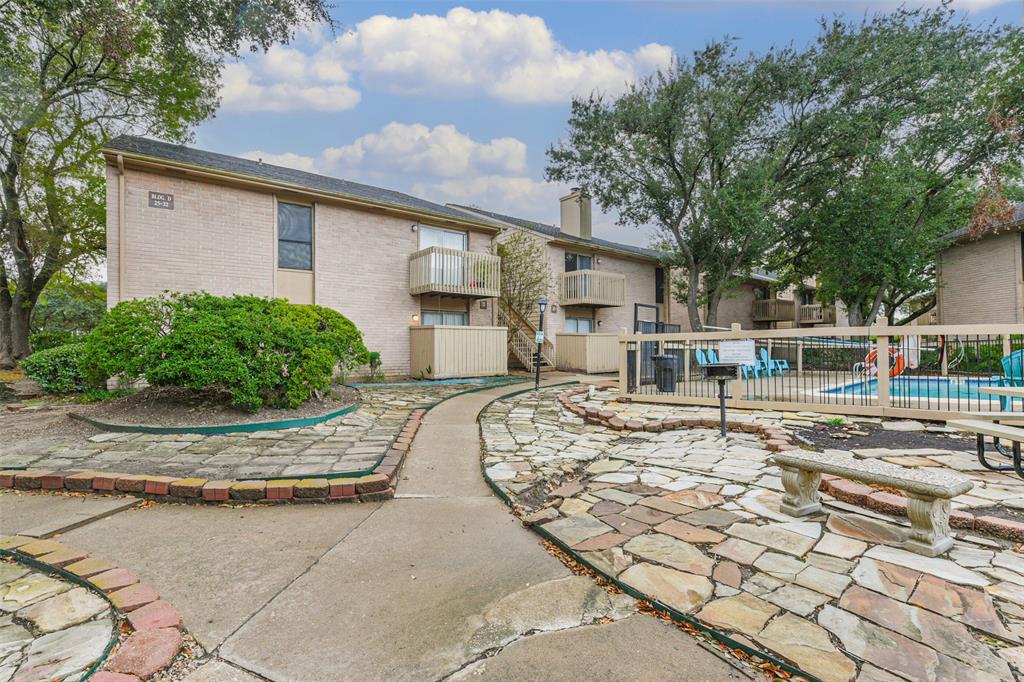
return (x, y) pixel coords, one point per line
(817, 314)
(592, 288)
(437, 270)
(455, 352)
(774, 310)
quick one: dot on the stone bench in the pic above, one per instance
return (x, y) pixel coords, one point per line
(928, 491)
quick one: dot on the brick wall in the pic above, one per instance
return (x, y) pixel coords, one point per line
(216, 239)
(221, 240)
(980, 282)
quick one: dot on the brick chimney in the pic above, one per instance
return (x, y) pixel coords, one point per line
(576, 214)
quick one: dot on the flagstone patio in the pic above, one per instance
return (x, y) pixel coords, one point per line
(692, 519)
(49, 628)
(351, 442)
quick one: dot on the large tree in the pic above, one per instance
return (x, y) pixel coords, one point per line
(73, 74)
(931, 105)
(691, 152)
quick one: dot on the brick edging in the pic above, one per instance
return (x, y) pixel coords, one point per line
(778, 440)
(374, 487)
(153, 626)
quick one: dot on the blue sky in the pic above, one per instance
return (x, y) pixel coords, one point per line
(459, 101)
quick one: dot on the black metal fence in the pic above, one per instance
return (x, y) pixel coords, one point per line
(944, 369)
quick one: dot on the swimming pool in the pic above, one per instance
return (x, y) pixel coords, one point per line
(922, 387)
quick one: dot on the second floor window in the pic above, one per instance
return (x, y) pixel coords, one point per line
(577, 261)
(659, 285)
(294, 236)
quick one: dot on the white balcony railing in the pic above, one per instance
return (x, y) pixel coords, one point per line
(592, 288)
(438, 270)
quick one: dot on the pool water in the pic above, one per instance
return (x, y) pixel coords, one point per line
(922, 387)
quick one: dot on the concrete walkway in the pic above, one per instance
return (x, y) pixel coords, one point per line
(440, 583)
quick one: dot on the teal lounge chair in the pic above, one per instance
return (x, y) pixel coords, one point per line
(772, 365)
(1013, 375)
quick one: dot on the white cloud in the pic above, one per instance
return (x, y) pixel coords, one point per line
(285, 79)
(444, 165)
(287, 159)
(441, 151)
(512, 57)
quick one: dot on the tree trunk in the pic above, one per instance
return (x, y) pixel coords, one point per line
(714, 298)
(692, 292)
(21, 316)
(853, 313)
(6, 345)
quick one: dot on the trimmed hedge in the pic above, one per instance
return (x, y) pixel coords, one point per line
(260, 351)
(58, 370)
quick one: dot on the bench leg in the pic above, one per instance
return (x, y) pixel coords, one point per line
(929, 525)
(801, 496)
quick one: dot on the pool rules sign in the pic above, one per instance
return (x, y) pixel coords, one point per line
(736, 352)
(161, 200)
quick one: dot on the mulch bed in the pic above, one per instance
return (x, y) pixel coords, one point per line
(178, 407)
(828, 436)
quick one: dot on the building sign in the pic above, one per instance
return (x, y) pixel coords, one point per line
(736, 352)
(161, 200)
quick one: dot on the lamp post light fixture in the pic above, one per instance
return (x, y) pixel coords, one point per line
(543, 303)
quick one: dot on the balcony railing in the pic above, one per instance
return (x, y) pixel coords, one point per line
(437, 270)
(592, 288)
(774, 310)
(817, 313)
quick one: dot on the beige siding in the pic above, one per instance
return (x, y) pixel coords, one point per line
(980, 282)
(590, 353)
(445, 352)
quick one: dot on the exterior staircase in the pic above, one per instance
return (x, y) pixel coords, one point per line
(522, 348)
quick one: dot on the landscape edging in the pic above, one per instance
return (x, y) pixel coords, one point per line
(13, 546)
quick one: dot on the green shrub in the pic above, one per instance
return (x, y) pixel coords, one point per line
(58, 370)
(51, 339)
(260, 351)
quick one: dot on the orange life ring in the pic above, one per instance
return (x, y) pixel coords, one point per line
(897, 363)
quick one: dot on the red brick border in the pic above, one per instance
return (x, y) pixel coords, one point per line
(375, 487)
(153, 627)
(779, 440)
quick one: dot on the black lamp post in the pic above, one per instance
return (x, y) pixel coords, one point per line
(543, 303)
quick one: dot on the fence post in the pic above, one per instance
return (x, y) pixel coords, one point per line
(882, 364)
(737, 385)
(799, 357)
(1006, 345)
(945, 354)
(623, 362)
(686, 362)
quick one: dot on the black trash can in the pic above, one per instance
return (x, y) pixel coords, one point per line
(666, 372)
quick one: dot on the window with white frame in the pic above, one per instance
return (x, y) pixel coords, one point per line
(579, 325)
(445, 317)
